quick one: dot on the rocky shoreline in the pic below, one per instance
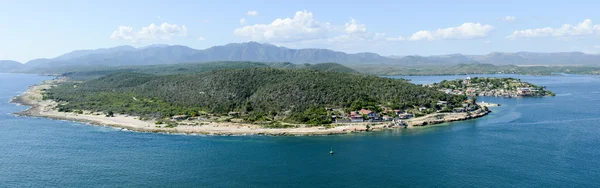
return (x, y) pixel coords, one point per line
(46, 109)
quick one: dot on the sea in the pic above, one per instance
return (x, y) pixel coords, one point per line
(526, 142)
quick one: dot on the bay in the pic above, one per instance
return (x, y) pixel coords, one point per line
(527, 142)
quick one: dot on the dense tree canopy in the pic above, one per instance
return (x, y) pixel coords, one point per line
(298, 95)
(195, 68)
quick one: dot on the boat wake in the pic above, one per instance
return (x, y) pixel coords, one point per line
(559, 121)
(564, 94)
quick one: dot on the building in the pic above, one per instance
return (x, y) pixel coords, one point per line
(398, 112)
(524, 91)
(470, 91)
(442, 103)
(370, 114)
(355, 117)
(459, 110)
(179, 117)
(406, 116)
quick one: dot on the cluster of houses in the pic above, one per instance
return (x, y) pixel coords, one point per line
(520, 92)
(368, 115)
(488, 91)
(364, 115)
(467, 106)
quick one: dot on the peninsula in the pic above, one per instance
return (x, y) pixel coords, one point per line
(496, 87)
(248, 101)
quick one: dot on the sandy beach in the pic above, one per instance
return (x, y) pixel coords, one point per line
(46, 108)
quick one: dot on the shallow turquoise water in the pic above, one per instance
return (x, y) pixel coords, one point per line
(533, 142)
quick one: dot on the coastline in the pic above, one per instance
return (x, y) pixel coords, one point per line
(46, 109)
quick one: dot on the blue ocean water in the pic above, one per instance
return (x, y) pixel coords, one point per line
(527, 142)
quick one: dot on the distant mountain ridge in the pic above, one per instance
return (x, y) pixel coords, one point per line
(532, 58)
(498, 58)
(10, 66)
(260, 52)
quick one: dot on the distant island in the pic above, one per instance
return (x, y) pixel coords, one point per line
(473, 68)
(319, 99)
(496, 87)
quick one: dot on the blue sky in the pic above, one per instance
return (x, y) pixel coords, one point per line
(45, 29)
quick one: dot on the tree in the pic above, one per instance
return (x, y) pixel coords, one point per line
(110, 114)
(474, 99)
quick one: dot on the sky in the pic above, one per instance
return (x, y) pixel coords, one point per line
(46, 29)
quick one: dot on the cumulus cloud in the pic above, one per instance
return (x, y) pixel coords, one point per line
(464, 31)
(164, 31)
(509, 19)
(243, 21)
(585, 28)
(252, 13)
(353, 27)
(302, 26)
(201, 38)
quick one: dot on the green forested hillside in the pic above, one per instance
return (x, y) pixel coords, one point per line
(193, 68)
(293, 95)
(332, 67)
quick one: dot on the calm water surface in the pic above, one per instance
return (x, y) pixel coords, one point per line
(531, 142)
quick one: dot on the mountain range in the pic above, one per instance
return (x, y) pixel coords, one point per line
(261, 52)
(10, 66)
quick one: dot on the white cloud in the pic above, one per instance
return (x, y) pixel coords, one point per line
(201, 38)
(302, 26)
(252, 13)
(509, 18)
(585, 28)
(164, 31)
(487, 41)
(353, 27)
(464, 31)
(243, 21)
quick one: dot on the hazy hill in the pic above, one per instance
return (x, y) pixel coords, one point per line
(260, 52)
(10, 66)
(497, 58)
(81, 53)
(531, 58)
(472, 68)
(161, 54)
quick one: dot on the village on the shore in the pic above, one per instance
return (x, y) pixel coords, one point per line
(473, 87)
(493, 87)
(392, 117)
